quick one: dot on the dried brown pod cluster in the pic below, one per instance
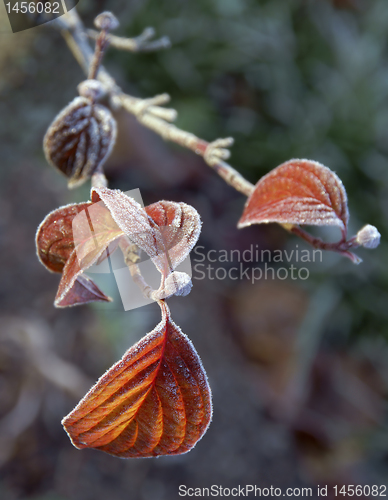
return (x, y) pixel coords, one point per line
(81, 137)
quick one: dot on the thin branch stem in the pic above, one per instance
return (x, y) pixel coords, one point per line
(141, 43)
(343, 246)
(131, 256)
(99, 180)
(102, 43)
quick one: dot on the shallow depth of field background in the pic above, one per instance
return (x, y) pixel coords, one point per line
(298, 368)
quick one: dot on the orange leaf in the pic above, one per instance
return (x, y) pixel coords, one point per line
(155, 401)
(298, 192)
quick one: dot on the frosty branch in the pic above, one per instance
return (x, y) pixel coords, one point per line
(156, 400)
(149, 111)
(151, 114)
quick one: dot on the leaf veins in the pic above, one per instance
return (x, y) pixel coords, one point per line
(155, 401)
(298, 192)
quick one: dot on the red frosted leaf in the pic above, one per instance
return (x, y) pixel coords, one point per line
(131, 218)
(166, 231)
(298, 192)
(180, 226)
(155, 401)
(54, 237)
(57, 251)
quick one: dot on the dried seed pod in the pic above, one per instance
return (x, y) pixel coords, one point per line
(80, 139)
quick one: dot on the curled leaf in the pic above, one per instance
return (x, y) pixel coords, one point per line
(80, 139)
(180, 227)
(298, 192)
(54, 237)
(155, 401)
(166, 231)
(130, 217)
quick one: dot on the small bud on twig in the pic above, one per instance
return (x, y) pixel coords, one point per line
(217, 151)
(368, 237)
(177, 283)
(91, 89)
(106, 21)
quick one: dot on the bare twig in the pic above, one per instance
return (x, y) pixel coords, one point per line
(99, 180)
(141, 43)
(310, 333)
(35, 335)
(148, 111)
(101, 46)
(151, 114)
(22, 415)
(105, 22)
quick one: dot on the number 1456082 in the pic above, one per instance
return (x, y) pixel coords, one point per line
(33, 7)
(367, 491)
